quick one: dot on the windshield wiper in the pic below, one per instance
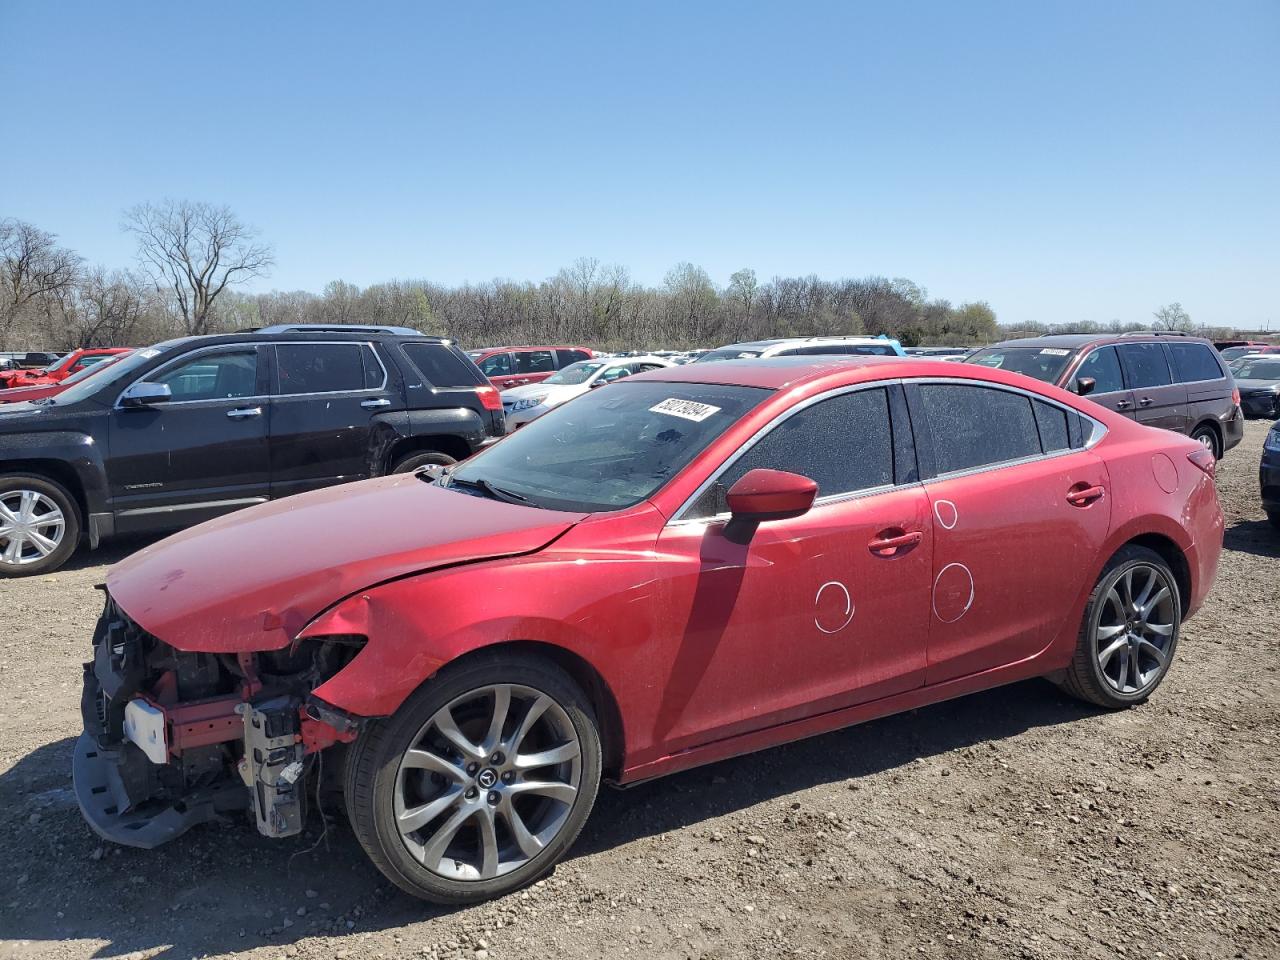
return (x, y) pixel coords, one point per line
(489, 490)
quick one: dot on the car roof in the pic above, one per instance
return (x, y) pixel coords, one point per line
(778, 341)
(778, 373)
(356, 335)
(528, 346)
(1074, 341)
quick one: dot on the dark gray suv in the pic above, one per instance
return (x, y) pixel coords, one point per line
(1161, 379)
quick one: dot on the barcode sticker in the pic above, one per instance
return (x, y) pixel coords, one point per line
(685, 409)
(1055, 352)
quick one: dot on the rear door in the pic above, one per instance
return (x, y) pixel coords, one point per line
(202, 453)
(1021, 511)
(325, 397)
(1102, 365)
(1157, 400)
(534, 366)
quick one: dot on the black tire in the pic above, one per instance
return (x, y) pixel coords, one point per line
(374, 762)
(69, 539)
(1209, 437)
(1085, 677)
(1274, 517)
(423, 458)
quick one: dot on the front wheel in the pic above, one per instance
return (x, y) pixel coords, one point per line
(1129, 633)
(479, 783)
(39, 525)
(426, 458)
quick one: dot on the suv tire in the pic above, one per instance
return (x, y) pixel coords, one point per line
(1129, 634)
(1208, 436)
(427, 458)
(446, 799)
(37, 512)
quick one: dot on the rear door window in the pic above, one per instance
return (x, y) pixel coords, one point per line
(319, 367)
(535, 361)
(974, 426)
(1052, 422)
(440, 366)
(1145, 364)
(1104, 367)
(845, 444)
(1194, 361)
(566, 357)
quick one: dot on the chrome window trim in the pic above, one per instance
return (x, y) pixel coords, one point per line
(679, 516)
(324, 343)
(1097, 431)
(191, 355)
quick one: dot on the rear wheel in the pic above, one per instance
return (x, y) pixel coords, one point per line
(1208, 438)
(1130, 631)
(1274, 517)
(479, 783)
(423, 458)
(39, 525)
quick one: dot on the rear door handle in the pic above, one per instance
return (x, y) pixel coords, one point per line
(375, 403)
(1082, 496)
(1123, 404)
(244, 413)
(1145, 402)
(888, 542)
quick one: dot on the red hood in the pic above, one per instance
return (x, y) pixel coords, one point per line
(252, 580)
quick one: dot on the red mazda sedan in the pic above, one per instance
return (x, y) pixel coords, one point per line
(686, 565)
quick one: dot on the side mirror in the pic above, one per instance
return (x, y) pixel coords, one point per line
(1085, 385)
(763, 495)
(144, 394)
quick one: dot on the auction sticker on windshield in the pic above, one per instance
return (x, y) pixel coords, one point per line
(685, 409)
(1054, 352)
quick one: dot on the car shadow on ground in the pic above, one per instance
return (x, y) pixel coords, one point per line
(111, 551)
(223, 888)
(1258, 537)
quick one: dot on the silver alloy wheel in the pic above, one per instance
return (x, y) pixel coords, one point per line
(1135, 629)
(487, 782)
(31, 527)
(1206, 441)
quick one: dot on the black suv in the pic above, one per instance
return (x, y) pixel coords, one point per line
(190, 429)
(1160, 378)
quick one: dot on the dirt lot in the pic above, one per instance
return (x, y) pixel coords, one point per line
(1015, 823)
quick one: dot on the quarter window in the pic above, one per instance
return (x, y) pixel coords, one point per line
(567, 357)
(1194, 361)
(212, 376)
(845, 444)
(440, 366)
(319, 367)
(1104, 366)
(1052, 422)
(976, 426)
(1145, 364)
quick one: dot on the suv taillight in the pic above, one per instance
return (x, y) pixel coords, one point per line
(1204, 460)
(489, 398)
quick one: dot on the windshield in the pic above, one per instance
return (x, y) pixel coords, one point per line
(728, 353)
(1235, 353)
(57, 364)
(117, 371)
(1043, 363)
(1257, 368)
(93, 367)
(611, 448)
(579, 372)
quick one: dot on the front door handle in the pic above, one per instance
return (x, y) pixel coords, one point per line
(887, 543)
(1081, 495)
(244, 413)
(1145, 402)
(1123, 404)
(375, 403)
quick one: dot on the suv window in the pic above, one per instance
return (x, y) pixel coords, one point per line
(497, 365)
(440, 366)
(571, 356)
(319, 367)
(844, 443)
(1104, 366)
(212, 376)
(975, 426)
(1145, 364)
(1194, 361)
(535, 361)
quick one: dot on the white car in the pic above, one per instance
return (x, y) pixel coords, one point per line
(522, 404)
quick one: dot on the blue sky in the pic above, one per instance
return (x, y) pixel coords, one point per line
(1062, 161)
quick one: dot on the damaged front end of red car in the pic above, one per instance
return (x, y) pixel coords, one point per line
(175, 738)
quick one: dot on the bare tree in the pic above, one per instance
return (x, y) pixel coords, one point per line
(1173, 317)
(32, 268)
(194, 251)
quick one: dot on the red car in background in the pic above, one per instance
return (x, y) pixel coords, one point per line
(73, 362)
(694, 563)
(40, 391)
(515, 366)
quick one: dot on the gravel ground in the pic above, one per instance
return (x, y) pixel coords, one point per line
(1013, 823)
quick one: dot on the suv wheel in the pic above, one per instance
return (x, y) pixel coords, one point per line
(1274, 517)
(1208, 438)
(1130, 631)
(479, 782)
(428, 458)
(39, 525)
